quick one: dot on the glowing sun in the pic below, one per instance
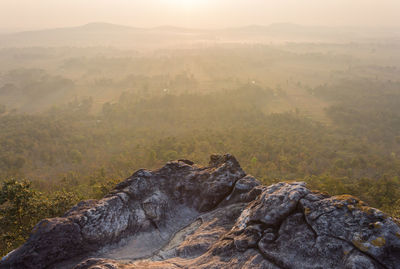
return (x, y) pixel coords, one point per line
(188, 4)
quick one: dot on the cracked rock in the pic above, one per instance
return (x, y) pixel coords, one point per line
(187, 216)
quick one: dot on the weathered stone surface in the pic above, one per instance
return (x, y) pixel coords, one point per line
(185, 216)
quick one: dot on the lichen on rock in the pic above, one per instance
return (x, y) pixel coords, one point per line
(187, 216)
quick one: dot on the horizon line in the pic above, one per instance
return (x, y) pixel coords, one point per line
(17, 30)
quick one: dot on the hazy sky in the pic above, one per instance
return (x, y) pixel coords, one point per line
(34, 14)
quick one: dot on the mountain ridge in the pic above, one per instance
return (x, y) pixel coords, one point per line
(108, 34)
(278, 25)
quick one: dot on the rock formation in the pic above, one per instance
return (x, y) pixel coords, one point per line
(186, 216)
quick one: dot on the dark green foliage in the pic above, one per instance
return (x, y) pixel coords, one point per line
(21, 207)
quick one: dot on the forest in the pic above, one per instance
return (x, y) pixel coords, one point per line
(76, 121)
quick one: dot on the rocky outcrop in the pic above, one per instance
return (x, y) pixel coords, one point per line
(186, 216)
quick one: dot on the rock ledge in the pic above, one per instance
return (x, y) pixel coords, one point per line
(186, 216)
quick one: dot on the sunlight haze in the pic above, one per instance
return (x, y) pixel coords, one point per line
(39, 14)
(169, 134)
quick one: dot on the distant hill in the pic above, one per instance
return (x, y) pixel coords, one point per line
(106, 34)
(103, 34)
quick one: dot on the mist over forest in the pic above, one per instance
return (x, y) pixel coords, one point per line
(82, 108)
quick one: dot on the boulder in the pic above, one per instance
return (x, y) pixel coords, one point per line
(188, 216)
